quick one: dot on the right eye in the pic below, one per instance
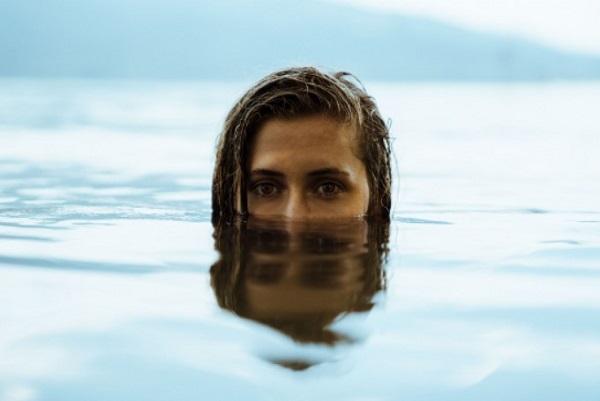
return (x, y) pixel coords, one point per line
(264, 189)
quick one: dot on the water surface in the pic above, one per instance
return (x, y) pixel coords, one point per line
(488, 289)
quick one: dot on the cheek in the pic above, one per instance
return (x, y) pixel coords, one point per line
(366, 195)
(364, 189)
(361, 167)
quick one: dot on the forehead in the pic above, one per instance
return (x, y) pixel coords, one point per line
(306, 134)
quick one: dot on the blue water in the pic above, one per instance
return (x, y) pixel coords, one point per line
(492, 278)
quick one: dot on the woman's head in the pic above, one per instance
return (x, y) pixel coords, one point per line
(301, 135)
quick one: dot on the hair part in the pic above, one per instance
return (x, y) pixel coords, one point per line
(295, 93)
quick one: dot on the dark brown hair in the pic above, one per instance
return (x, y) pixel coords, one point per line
(296, 93)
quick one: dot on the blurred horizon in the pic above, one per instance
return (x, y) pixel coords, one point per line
(570, 25)
(235, 40)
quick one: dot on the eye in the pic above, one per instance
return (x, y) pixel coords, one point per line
(329, 189)
(264, 189)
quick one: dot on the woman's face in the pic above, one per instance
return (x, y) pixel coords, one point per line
(306, 168)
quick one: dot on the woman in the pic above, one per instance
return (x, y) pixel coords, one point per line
(303, 144)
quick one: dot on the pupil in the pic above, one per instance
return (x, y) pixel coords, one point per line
(266, 189)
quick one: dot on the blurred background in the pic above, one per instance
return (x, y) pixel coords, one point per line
(429, 40)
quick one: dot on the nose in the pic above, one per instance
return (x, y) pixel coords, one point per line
(296, 206)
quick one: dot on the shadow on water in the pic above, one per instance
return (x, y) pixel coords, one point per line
(79, 265)
(299, 277)
(26, 238)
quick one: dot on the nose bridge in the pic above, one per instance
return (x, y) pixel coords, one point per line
(296, 207)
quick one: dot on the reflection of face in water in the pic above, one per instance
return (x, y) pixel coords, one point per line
(297, 277)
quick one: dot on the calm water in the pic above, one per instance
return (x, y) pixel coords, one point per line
(111, 287)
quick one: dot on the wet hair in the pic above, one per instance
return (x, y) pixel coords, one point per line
(297, 93)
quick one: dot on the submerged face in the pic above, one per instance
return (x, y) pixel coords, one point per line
(306, 168)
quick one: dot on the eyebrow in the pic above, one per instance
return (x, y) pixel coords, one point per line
(268, 173)
(328, 171)
(314, 173)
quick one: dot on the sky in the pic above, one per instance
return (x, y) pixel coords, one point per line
(567, 24)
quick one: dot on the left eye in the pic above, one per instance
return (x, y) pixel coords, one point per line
(328, 189)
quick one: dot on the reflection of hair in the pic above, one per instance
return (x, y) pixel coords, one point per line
(229, 272)
(296, 93)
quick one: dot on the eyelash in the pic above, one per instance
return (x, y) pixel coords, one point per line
(337, 189)
(258, 189)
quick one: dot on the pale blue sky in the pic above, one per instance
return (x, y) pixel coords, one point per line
(568, 24)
